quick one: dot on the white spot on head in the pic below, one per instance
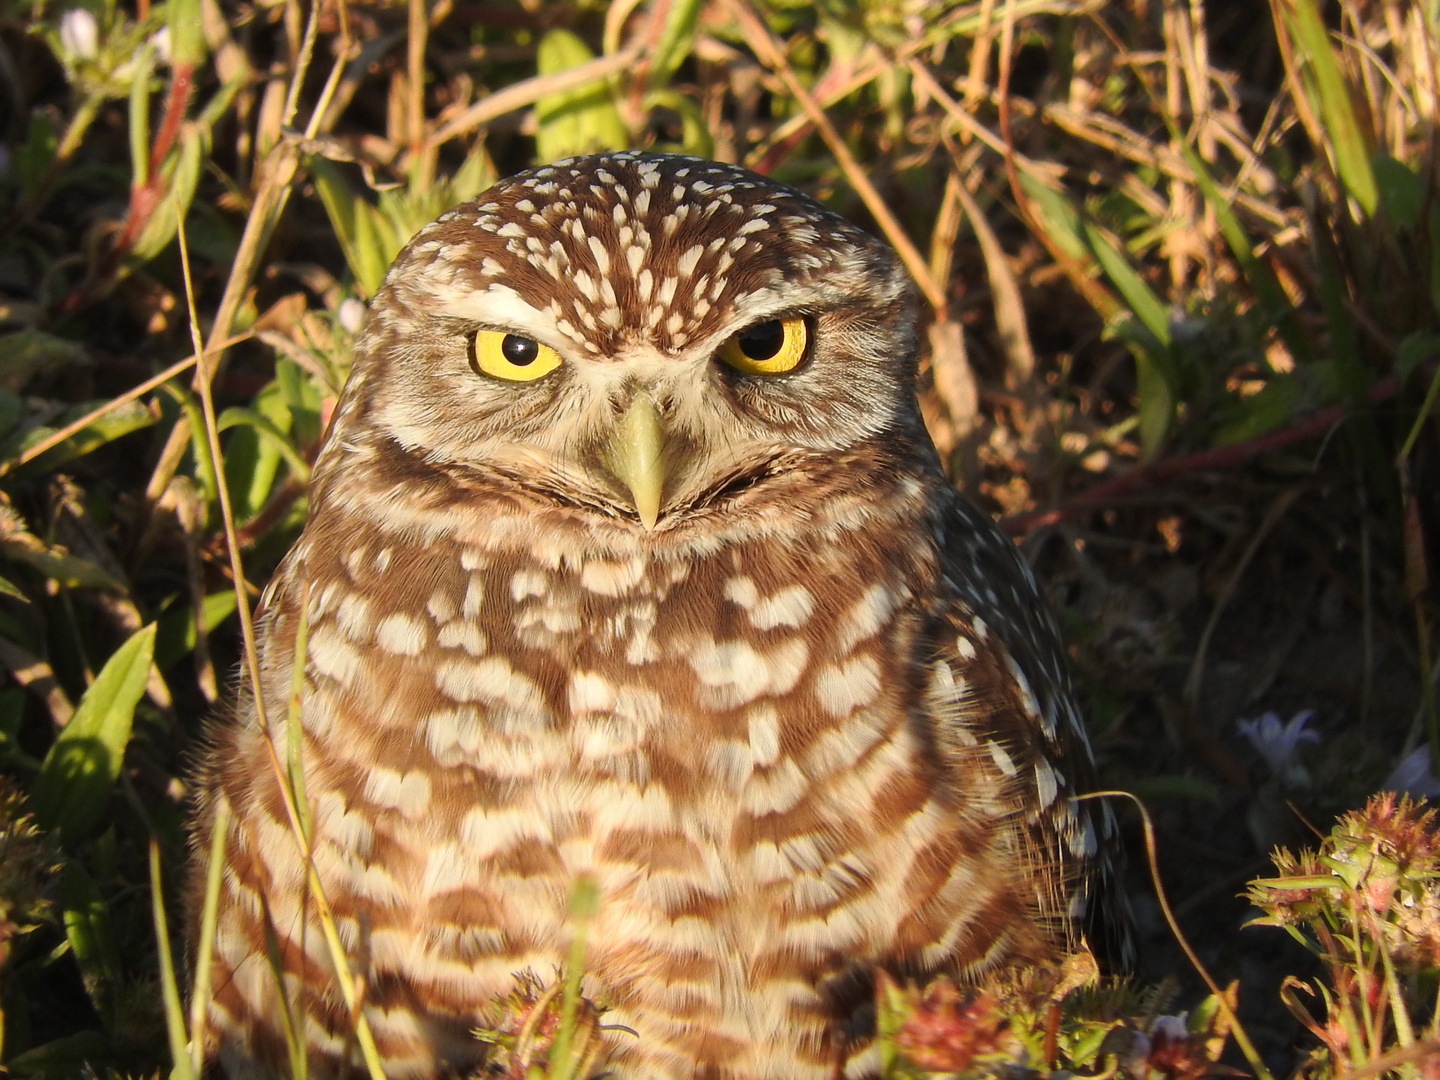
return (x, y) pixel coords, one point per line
(491, 679)
(441, 606)
(866, 616)
(528, 582)
(602, 257)
(331, 655)
(689, 260)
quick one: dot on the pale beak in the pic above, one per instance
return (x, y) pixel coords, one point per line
(634, 456)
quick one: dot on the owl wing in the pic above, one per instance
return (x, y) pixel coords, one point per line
(1004, 710)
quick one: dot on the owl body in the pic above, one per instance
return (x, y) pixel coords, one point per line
(794, 706)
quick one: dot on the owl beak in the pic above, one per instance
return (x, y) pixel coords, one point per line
(635, 457)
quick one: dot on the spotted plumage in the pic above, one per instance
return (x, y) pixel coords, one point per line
(628, 557)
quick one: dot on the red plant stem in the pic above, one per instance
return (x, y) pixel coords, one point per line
(1222, 457)
(181, 83)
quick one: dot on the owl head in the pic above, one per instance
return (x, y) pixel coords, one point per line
(641, 335)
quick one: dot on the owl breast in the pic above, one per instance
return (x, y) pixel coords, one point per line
(743, 764)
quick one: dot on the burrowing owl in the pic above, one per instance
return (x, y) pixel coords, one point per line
(628, 557)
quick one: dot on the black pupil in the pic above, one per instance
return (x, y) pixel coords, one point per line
(519, 350)
(763, 340)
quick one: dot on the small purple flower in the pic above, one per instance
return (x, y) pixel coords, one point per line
(1279, 743)
(1413, 776)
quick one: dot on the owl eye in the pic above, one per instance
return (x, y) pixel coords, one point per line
(768, 348)
(512, 357)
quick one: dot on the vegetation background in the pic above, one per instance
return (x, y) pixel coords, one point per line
(1181, 269)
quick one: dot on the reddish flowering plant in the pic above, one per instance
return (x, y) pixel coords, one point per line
(526, 1029)
(1094, 1030)
(1367, 903)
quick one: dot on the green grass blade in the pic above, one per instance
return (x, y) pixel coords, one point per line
(209, 912)
(169, 987)
(358, 225)
(82, 766)
(675, 40)
(1347, 146)
(1148, 307)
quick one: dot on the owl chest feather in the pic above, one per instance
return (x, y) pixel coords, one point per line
(746, 766)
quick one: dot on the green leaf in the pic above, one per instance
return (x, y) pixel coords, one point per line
(82, 1054)
(71, 571)
(32, 162)
(184, 1068)
(187, 43)
(1058, 217)
(365, 236)
(92, 940)
(268, 428)
(82, 766)
(695, 135)
(1414, 350)
(1148, 307)
(676, 38)
(118, 422)
(470, 179)
(1432, 225)
(1155, 402)
(579, 121)
(11, 409)
(1264, 411)
(10, 589)
(1335, 111)
(1257, 273)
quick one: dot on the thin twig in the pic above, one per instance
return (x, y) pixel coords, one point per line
(530, 90)
(1242, 1039)
(1223, 457)
(758, 36)
(58, 436)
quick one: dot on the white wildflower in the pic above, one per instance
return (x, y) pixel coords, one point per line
(351, 315)
(79, 34)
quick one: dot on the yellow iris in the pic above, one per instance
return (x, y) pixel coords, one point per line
(512, 357)
(768, 348)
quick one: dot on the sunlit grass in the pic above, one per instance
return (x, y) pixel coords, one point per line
(1238, 225)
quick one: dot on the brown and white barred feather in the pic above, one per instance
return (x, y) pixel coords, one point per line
(812, 724)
